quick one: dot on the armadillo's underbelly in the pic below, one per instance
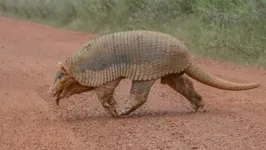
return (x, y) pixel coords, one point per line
(126, 56)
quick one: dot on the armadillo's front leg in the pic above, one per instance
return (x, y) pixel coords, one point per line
(138, 96)
(105, 96)
(183, 85)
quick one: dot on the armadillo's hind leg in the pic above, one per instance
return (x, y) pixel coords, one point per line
(183, 85)
(105, 95)
(138, 96)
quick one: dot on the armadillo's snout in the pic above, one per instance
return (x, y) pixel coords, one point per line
(55, 93)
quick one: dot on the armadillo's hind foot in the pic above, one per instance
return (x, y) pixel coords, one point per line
(183, 85)
(138, 96)
(105, 95)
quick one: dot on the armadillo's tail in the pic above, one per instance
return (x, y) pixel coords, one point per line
(198, 74)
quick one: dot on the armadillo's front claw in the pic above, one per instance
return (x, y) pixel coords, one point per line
(111, 109)
(57, 101)
(113, 112)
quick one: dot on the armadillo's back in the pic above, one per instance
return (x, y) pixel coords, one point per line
(138, 55)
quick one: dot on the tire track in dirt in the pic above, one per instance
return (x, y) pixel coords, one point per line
(29, 119)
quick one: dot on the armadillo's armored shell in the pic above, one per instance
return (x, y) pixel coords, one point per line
(138, 55)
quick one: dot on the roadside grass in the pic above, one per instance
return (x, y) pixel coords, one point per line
(231, 30)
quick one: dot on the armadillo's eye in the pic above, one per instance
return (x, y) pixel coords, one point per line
(60, 75)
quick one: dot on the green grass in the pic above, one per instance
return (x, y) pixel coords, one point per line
(230, 30)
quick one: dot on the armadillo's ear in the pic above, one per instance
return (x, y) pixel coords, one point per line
(63, 70)
(59, 64)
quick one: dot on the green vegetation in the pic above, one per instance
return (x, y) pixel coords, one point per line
(233, 30)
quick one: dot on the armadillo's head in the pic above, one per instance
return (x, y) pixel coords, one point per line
(65, 85)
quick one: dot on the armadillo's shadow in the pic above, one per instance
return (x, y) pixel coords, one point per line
(156, 114)
(141, 115)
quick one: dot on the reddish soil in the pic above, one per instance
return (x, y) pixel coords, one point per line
(29, 119)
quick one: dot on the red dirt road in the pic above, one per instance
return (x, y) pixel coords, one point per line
(29, 119)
